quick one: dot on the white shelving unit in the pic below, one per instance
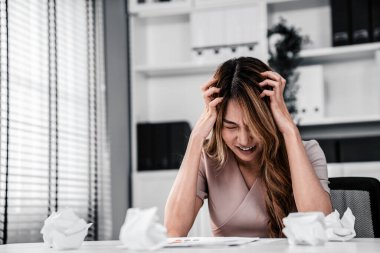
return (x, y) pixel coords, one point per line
(156, 9)
(343, 53)
(318, 55)
(340, 120)
(182, 68)
(271, 2)
(166, 79)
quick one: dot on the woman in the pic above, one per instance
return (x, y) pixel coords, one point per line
(254, 168)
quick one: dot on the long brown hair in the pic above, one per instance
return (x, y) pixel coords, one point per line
(238, 79)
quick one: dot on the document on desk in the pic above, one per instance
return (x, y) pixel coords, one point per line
(208, 241)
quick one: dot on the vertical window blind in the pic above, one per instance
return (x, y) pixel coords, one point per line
(53, 146)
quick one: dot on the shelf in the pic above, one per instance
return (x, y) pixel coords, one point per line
(176, 69)
(212, 4)
(330, 54)
(309, 56)
(183, 8)
(160, 9)
(340, 120)
(347, 127)
(271, 2)
(161, 13)
(156, 174)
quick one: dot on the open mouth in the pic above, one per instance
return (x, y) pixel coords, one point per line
(247, 149)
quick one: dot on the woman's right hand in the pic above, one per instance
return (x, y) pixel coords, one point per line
(207, 120)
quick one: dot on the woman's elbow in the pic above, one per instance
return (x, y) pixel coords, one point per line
(327, 208)
(323, 206)
(173, 230)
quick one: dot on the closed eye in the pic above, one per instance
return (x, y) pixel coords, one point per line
(230, 126)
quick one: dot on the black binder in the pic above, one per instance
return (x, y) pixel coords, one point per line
(331, 149)
(360, 21)
(341, 22)
(144, 147)
(375, 15)
(361, 149)
(161, 146)
(179, 137)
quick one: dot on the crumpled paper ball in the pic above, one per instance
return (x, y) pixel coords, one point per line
(313, 228)
(64, 230)
(340, 229)
(305, 228)
(141, 230)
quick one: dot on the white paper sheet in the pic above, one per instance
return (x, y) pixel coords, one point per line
(208, 241)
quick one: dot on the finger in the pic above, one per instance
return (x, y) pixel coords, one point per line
(208, 84)
(208, 95)
(267, 93)
(272, 75)
(215, 102)
(278, 76)
(269, 82)
(211, 91)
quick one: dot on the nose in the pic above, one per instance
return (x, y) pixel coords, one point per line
(244, 137)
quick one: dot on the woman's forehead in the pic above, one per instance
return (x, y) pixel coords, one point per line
(234, 112)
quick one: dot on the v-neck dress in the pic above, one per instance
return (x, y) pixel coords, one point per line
(236, 210)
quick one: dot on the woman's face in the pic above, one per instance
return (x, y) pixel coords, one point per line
(235, 133)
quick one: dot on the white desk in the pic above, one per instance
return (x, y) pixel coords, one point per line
(367, 245)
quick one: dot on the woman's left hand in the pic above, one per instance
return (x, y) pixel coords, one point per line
(280, 112)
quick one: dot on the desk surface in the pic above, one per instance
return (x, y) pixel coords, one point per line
(362, 245)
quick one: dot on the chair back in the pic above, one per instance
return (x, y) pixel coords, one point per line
(362, 196)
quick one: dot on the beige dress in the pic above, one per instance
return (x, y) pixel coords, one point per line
(236, 210)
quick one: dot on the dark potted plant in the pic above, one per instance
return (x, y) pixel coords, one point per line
(285, 44)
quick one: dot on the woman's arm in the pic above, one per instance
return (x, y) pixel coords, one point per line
(183, 204)
(308, 192)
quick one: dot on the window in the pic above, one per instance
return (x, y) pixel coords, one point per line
(53, 149)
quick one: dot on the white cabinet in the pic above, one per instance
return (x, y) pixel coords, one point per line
(152, 189)
(166, 76)
(351, 73)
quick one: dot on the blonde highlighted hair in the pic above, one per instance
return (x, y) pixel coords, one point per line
(238, 80)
